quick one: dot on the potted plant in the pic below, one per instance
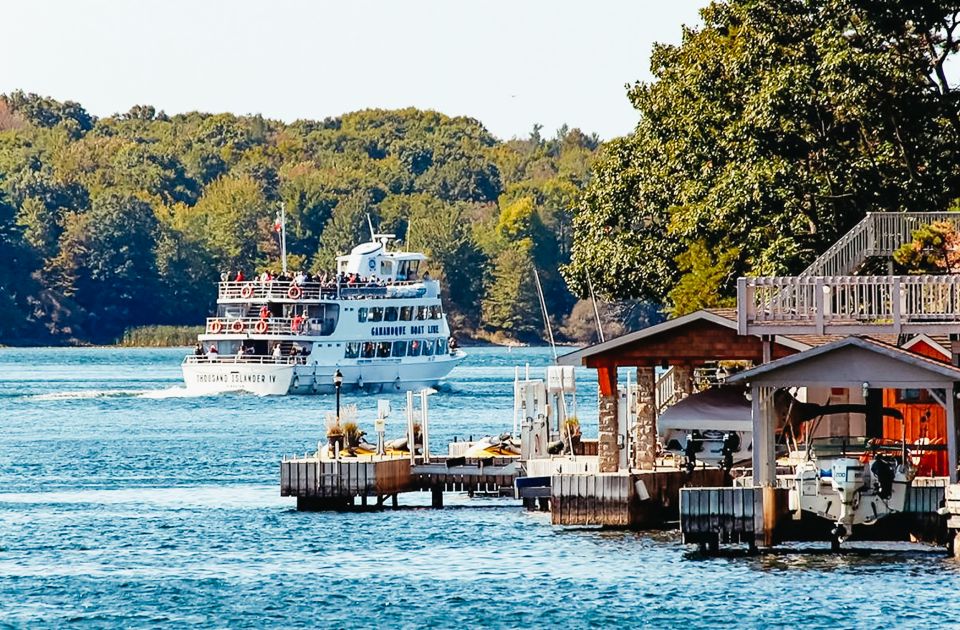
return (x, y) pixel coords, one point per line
(352, 434)
(571, 431)
(334, 436)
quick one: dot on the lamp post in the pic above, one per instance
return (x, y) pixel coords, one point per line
(337, 383)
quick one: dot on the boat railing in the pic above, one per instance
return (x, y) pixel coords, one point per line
(268, 326)
(259, 359)
(849, 305)
(286, 291)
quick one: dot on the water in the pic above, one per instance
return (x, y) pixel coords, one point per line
(123, 501)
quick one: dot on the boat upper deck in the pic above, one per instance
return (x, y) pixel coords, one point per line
(286, 291)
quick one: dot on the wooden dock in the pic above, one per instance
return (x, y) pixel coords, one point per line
(639, 499)
(320, 484)
(714, 516)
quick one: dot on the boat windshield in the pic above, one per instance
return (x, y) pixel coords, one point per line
(840, 446)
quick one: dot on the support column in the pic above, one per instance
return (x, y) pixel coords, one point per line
(951, 409)
(764, 456)
(608, 452)
(645, 436)
(682, 381)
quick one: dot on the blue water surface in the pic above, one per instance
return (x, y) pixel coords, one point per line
(124, 501)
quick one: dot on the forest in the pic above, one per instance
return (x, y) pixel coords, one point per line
(110, 224)
(769, 130)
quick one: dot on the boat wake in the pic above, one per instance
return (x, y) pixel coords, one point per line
(155, 394)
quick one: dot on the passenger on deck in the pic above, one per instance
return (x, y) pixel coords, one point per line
(296, 323)
(264, 312)
(277, 351)
(426, 276)
(239, 277)
(452, 344)
(239, 356)
(198, 351)
(212, 353)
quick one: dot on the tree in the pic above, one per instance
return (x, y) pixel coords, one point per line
(768, 132)
(511, 304)
(107, 263)
(935, 249)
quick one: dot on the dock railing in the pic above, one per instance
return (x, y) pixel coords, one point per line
(666, 390)
(849, 305)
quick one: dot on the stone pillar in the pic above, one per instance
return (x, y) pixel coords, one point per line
(608, 453)
(645, 436)
(682, 381)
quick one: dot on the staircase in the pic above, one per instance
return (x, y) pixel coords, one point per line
(877, 235)
(827, 298)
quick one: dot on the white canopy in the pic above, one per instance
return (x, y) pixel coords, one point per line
(717, 408)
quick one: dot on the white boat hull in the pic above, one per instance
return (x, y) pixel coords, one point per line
(227, 376)
(280, 379)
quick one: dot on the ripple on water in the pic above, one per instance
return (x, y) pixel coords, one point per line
(124, 501)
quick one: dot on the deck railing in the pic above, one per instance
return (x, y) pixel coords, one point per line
(259, 359)
(666, 390)
(849, 305)
(270, 326)
(283, 291)
(877, 234)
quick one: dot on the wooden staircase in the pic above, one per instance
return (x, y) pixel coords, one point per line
(828, 298)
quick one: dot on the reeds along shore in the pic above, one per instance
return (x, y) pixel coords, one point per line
(160, 336)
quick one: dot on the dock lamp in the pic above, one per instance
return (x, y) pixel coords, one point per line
(337, 383)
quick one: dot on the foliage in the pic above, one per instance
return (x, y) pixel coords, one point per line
(935, 249)
(766, 134)
(160, 336)
(128, 220)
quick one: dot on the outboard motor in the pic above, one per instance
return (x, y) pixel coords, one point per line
(693, 447)
(731, 444)
(884, 470)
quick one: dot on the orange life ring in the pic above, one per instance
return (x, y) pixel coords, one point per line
(246, 291)
(237, 325)
(295, 292)
(261, 326)
(216, 326)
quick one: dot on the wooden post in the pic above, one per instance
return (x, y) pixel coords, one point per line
(764, 456)
(645, 437)
(608, 452)
(436, 496)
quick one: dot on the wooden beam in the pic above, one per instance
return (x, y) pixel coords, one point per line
(607, 378)
(951, 406)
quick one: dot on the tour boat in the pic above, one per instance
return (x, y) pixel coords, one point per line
(378, 325)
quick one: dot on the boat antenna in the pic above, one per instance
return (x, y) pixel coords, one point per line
(546, 316)
(373, 235)
(596, 311)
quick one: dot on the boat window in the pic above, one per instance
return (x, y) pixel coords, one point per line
(399, 348)
(441, 346)
(386, 267)
(422, 312)
(402, 270)
(414, 267)
(376, 314)
(406, 313)
(391, 314)
(415, 347)
(383, 349)
(435, 312)
(352, 351)
(428, 348)
(369, 350)
(361, 315)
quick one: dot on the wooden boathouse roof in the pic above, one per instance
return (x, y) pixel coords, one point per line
(852, 362)
(703, 336)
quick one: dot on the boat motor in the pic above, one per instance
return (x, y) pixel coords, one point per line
(847, 479)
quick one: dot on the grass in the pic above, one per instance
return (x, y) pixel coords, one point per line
(160, 336)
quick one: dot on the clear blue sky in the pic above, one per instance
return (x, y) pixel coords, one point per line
(509, 63)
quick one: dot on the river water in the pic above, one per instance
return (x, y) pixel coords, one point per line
(124, 501)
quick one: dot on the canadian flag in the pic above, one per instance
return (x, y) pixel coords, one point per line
(277, 223)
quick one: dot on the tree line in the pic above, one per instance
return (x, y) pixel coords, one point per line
(112, 223)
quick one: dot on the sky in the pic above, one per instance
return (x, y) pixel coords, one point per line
(510, 64)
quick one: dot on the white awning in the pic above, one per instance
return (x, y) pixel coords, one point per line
(717, 408)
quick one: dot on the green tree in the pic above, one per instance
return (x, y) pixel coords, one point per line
(511, 304)
(770, 131)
